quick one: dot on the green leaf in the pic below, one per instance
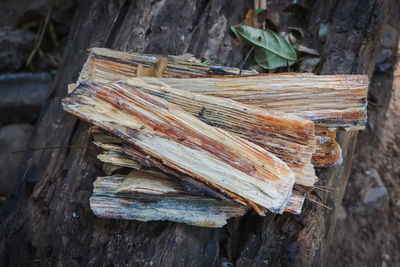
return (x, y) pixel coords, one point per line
(269, 60)
(271, 50)
(259, 10)
(267, 39)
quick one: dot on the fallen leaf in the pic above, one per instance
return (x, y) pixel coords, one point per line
(251, 18)
(270, 41)
(297, 31)
(309, 64)
(259, 10)
(269, 60)
(263, 19)
(306, 50)
(323, 31)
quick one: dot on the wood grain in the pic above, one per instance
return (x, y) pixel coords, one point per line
(288, 137)
(328, 100)
(145, 204)
(165, 132)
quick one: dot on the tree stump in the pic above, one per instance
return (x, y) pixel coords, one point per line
(47, 219)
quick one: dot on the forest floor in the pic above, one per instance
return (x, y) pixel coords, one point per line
(370, 235)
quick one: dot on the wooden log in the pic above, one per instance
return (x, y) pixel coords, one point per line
(165, 132)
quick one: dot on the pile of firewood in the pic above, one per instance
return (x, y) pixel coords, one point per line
(202, 143)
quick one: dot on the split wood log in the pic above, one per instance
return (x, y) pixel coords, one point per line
(157, 199)
(328, 100)
(147, 195)
(105, 65)
(157, 129)
(113, 154)
(288, 137)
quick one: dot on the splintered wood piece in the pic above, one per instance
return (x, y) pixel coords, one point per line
(155, 71)
(328, 100)
(183, 208)
(328, 152)
(110, 65)
(294, 204)
(149, 182)
(118, 159)
(152, 126)
(288, 137)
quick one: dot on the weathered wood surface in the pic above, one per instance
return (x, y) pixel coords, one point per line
(169, 136)
(146, 195)
(38, 223)
(113, 154)
(158, 201)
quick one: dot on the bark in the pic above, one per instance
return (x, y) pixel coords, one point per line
(47, 219)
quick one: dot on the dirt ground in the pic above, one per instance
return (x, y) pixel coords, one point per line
(370, 236)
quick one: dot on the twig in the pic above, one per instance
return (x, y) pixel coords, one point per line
(322, 189)
(245, 59)
(319, 203)
(41, 34)
(327, 187)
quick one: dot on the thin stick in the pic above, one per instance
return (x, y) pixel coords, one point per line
(322, 189)
(326, 187)
(245, 59)
(319, 203)
(41, 34)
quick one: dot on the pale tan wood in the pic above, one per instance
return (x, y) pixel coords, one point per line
(104, 65)
(238, 168)
(288, 137)
(328, 100)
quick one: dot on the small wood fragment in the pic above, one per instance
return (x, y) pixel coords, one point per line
(149, 182)
(118, 159)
